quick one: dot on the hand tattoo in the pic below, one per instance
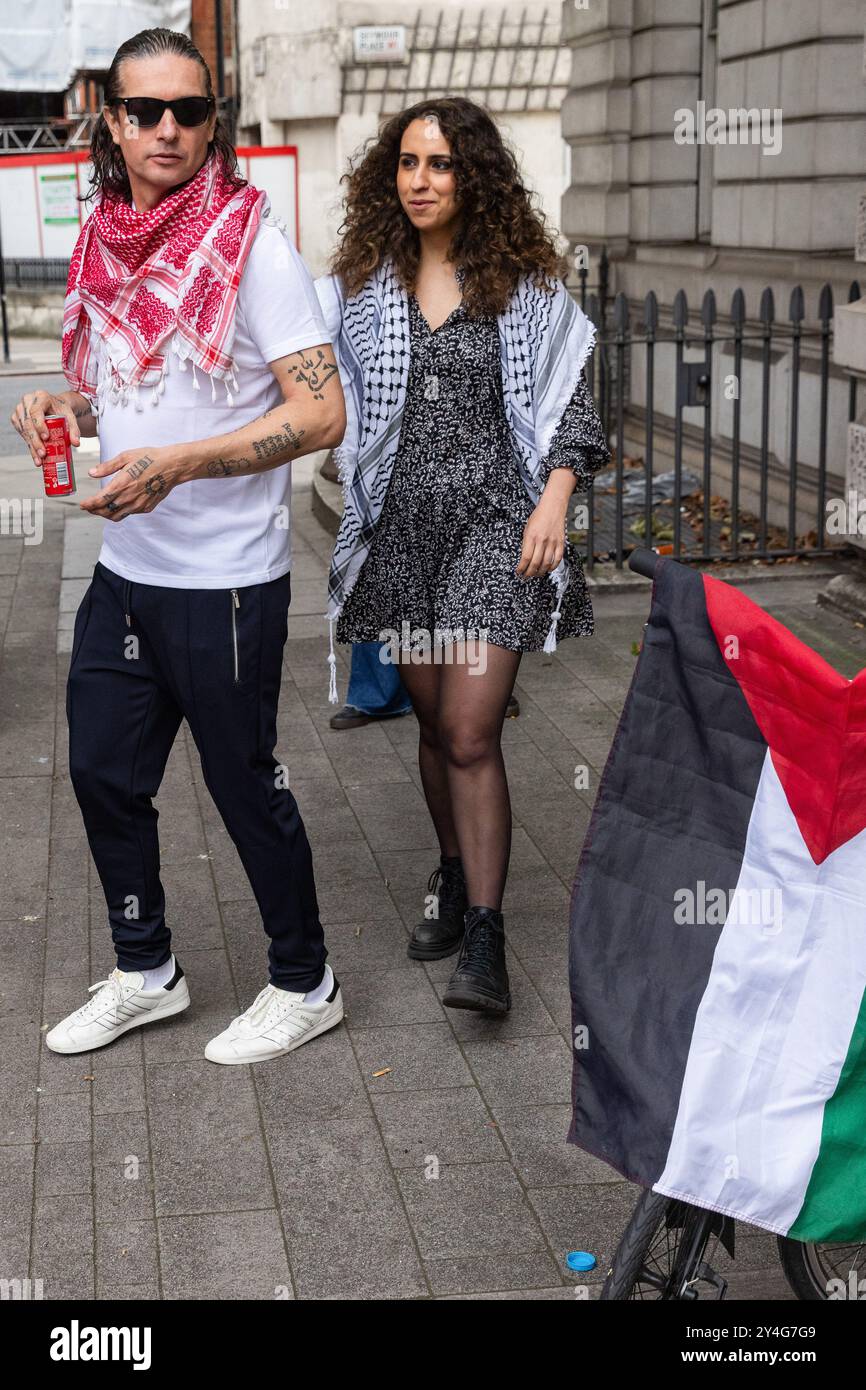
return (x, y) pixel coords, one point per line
(155, 486)
(140, 466)
(316, 374)
(276, 443)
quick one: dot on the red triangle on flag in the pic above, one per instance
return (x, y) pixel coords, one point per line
(813, 719)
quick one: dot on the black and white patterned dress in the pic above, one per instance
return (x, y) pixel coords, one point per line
(451, 528)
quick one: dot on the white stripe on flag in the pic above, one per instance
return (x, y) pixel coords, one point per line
(774, 1024)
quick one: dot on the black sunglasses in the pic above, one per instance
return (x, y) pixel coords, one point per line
(149, 111)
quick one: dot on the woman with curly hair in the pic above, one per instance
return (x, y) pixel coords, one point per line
(469, 426)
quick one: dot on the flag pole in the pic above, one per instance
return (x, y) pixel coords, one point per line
(643, 561)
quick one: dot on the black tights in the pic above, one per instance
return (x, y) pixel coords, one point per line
(461, 706)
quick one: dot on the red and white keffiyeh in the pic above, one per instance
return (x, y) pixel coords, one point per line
(137, 279)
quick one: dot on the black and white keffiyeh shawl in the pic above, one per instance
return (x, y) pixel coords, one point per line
(544, 339)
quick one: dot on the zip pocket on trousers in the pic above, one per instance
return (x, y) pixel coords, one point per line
(236, 603)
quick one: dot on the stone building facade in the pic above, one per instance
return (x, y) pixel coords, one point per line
(767, 204)
(302, 83)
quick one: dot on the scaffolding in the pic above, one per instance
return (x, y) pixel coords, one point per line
(41, 136)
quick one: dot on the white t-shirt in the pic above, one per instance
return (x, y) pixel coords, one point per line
(215, 533)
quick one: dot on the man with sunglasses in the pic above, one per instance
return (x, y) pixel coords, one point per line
(147, 112)
(178, 283)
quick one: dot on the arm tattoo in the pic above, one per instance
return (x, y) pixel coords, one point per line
(316, 374)
(155, 486)
(276, 443)
(226, 468)
(140, 466)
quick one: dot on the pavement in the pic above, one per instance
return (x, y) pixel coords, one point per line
(414, 1152)
(31, 359)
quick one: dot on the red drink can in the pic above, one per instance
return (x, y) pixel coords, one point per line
(57, 472)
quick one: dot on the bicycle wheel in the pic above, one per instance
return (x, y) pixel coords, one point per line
(819, 1271)
(649, 1261)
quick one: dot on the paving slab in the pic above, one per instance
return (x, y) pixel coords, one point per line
(415, 1152)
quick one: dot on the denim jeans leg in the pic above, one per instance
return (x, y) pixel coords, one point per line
(375, 687)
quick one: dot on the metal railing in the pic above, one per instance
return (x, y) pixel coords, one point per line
(32, 273)
(610, 374)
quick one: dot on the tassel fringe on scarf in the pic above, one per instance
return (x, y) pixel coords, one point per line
(140, 278)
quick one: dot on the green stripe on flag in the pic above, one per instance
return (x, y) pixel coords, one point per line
(834, 1207)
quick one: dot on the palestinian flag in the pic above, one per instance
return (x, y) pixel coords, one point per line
(718, 923)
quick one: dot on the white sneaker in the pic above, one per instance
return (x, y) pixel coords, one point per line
(277, 1021)
(119, 1004)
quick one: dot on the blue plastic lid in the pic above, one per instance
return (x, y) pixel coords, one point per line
(580, 1259)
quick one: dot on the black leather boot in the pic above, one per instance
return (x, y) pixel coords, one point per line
(440, 936)
(480, 980)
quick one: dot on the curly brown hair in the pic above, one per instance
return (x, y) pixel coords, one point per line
(500, 234)
(108, 167)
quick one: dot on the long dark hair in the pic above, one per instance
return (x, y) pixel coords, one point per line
(501, 232)
(108, 167)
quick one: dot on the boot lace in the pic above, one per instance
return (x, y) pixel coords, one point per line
(480, 945)
(452, 890)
